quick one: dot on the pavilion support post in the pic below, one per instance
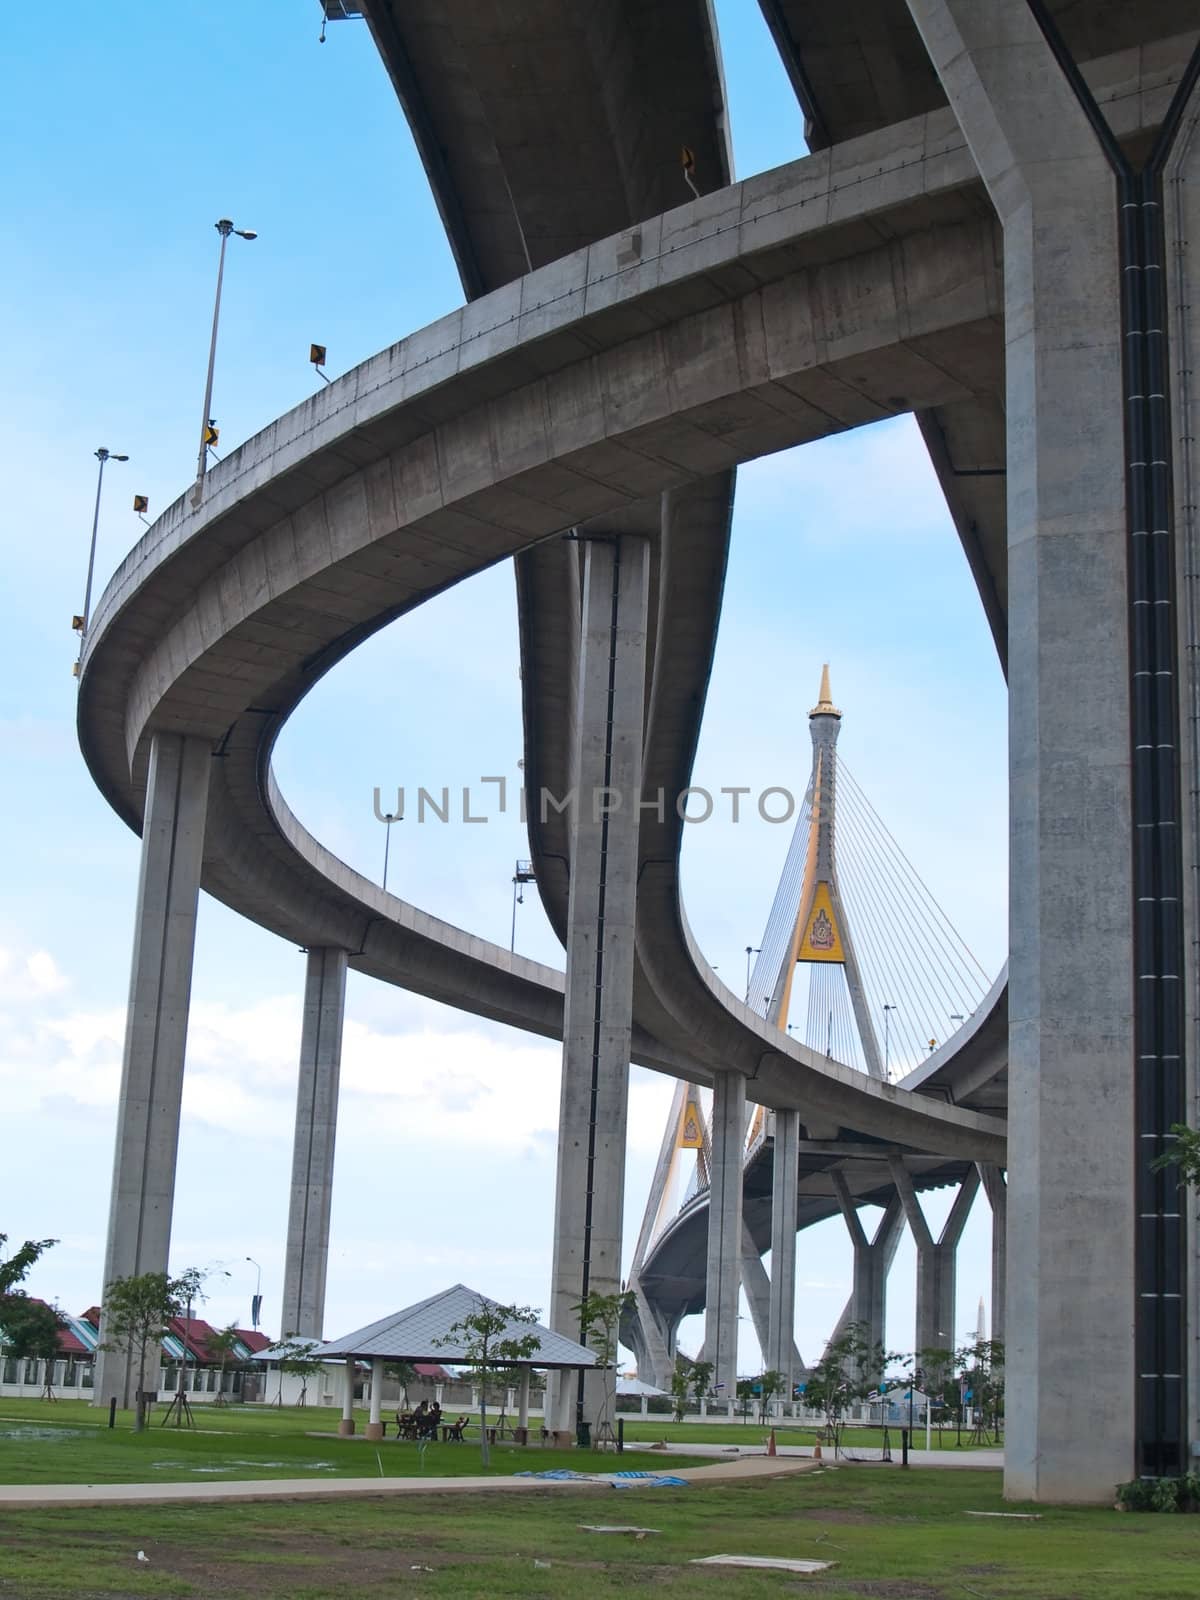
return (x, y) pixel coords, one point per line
(523, 1403)
(307, 1254)
(375, 1423)
(590, 1190)
(346, 1425)
(156, 1021)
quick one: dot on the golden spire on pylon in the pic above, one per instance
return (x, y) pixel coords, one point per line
(824, 706)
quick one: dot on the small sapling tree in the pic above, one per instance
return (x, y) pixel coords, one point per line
(490, 1337)
(137, 1314)
(223, 1346)
(298, 1359)
(600, 1327)
(847, 1372)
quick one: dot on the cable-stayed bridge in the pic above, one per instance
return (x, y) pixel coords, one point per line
(861, 953)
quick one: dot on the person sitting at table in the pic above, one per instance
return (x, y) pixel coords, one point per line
(404, 1423)
(435, 1418)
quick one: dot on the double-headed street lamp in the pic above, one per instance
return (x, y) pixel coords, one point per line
(224, 228)
(103, 456)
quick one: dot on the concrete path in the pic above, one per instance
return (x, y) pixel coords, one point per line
(15, 1497)
(851, 1456)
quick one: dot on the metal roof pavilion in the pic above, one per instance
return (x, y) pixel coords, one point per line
(416, 1334)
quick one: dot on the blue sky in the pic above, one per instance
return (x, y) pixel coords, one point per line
(131, 127)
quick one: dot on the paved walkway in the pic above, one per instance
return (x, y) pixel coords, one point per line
(15, 1497)
(851, 1456)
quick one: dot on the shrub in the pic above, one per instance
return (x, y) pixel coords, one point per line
(1160, 1494)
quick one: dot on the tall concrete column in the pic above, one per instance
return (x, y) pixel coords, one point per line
(781, 1343)
(937, 1259)
(724, 1275)
(590, 1190)
(307, 1257)
(996, 1190)
(872, 1259)
(1071, 1038)
(160, 986)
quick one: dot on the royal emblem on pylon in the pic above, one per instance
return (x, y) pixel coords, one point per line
(821, 935)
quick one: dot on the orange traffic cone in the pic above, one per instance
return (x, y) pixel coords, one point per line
(771, 1444)
(817, 1451)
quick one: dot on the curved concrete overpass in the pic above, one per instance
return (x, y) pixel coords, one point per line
(717, 333)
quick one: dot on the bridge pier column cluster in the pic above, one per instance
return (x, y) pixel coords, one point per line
(996, 1189)
(1095, 1003)
(307, 1255)
(725, 1231)
(872, 1261)
(149, 1106)
(937, 1274)
(785, 1182)
(598, 1016)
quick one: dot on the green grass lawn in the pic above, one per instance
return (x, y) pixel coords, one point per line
(69, 1442)
(893, 1535)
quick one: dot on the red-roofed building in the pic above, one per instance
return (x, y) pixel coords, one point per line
(77, 1340)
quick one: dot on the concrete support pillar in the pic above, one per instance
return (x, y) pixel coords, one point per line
(781, 1343)
(303, 1310)
(346, 1425)
(936, 1259)
(872, 1258)
(375, 1421)
(523, 1400)
(160, 986)
(997, 1192)
(1071, 1039)
(728, 1125)
(590, 1191)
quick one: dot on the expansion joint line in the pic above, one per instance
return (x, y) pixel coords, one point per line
(1158, 940)
(598, 983)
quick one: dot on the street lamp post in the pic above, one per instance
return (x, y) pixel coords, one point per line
(751, 950)
(387, 843)
(887, 1040)
(102, 456)
(224, 228)
(256, 1303)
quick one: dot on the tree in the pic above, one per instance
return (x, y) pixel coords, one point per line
(941, 1381)
(981, 1368)
(28, 1328)
(847, 1371)
(137, 1315)
(600, 1326)
(701, 1376)
(298, 1359)
(681, 1383)
(488, 1340)
(14, 1270)
(223, 1345)
(745, 1393)
(1184, 1154)
(769, 1385)
(404, 1372)
(29, 1331)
